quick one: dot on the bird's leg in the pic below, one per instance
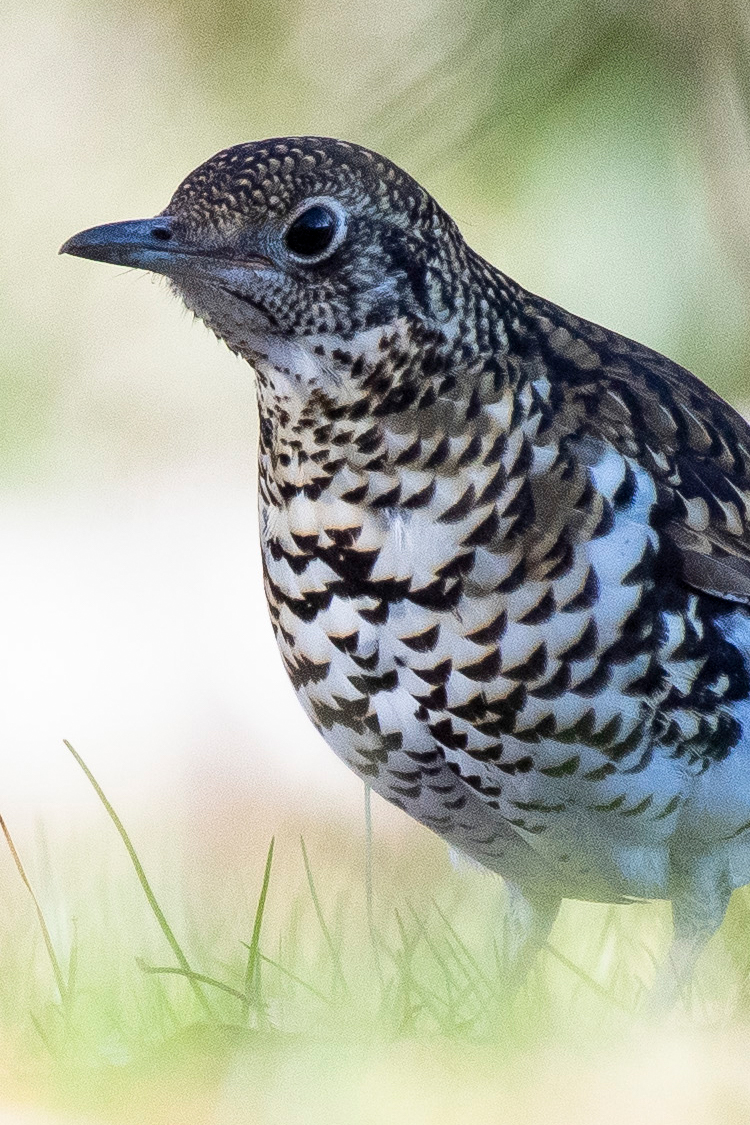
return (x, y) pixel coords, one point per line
(698, 908)
(529, 917)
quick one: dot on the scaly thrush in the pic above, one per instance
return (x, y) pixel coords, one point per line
(506, 551)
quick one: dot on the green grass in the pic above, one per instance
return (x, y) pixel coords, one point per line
(298, 985)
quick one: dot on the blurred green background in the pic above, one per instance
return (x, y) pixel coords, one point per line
(597, 151)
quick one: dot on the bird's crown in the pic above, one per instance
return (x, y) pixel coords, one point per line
(274, 176)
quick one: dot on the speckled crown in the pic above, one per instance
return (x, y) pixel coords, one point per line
(273, 175)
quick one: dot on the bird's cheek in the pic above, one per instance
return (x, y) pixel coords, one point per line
(224, 317)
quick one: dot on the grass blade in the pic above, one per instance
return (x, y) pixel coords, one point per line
(369, 885)
(321, 920)
(56, 969)
(201, 978)
(292, 976)
(156, 910)
(43, 1035)
(460, 945)
(589, 981)
(252, 982)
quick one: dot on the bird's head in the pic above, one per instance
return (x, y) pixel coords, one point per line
(296, 245)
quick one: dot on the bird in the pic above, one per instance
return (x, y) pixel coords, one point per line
(506, 551)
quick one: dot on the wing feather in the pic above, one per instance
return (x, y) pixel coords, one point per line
(694, 444)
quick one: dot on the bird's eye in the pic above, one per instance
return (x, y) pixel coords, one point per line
(312, 232)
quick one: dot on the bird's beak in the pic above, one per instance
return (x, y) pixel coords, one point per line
(155, 245)
(146, 244)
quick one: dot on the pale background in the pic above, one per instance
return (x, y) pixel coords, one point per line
(598, 151)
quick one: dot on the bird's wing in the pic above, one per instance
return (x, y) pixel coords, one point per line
(696, 446)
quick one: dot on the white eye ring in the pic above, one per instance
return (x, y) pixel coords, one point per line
(322, 238)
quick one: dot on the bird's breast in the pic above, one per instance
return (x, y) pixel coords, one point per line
(483, 638)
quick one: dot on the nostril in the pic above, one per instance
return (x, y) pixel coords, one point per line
(162, 233)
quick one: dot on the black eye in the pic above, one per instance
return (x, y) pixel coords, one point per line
(312, 232)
